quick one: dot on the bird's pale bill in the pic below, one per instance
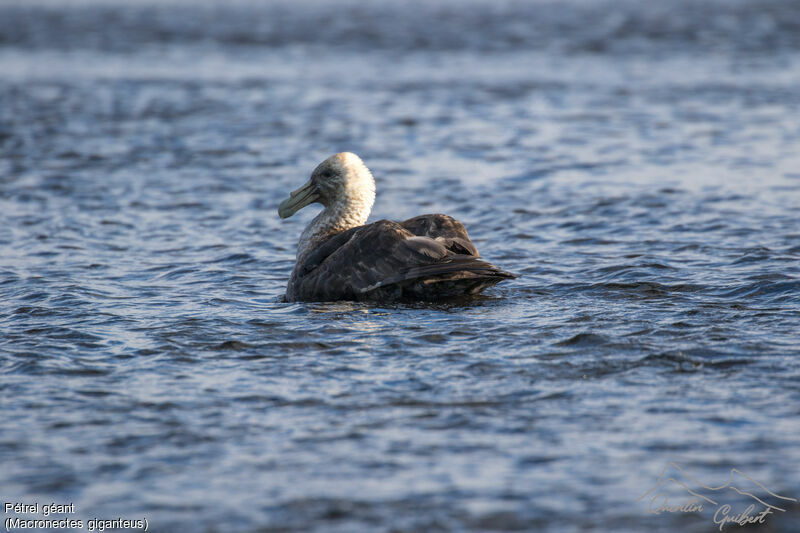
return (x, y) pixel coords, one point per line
(307, 194)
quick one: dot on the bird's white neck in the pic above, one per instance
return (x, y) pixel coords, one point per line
(347, 212)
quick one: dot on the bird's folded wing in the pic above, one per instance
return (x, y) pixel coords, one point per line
(347, 265)
(444, 229)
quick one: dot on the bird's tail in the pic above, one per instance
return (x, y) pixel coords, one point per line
(460, 275)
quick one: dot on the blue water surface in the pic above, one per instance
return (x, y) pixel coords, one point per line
(638, 164)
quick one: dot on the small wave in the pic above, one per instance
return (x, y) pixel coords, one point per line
(584, 339)
(777, 291)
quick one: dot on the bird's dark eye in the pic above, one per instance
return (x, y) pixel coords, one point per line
(327, 174)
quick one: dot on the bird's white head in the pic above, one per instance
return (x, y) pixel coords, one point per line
(342, 182)
(345, 186)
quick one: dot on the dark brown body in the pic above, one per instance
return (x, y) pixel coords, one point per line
(429, 257)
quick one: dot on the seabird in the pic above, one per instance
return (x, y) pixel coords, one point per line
(341, 257)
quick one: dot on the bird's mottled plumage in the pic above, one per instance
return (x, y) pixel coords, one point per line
(339, 257)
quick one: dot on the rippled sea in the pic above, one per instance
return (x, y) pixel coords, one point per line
(638, 163)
